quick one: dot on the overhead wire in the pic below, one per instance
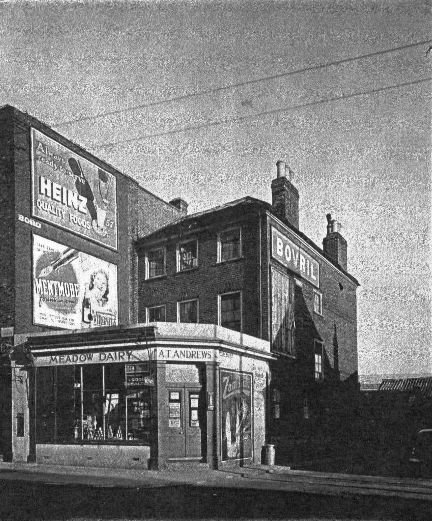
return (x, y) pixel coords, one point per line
(238, 119)
(241, 84)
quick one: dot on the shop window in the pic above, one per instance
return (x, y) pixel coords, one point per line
(187, 255)
(229, 245)
(230, 311)
(94, 403)
(156, 314)
(155, 261)
(317, 302)
(187, 311)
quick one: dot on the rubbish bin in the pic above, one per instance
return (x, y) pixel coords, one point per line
(269, 454)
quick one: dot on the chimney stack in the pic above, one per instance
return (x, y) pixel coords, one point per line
(285, 196)
(334, 245)
(180, 204)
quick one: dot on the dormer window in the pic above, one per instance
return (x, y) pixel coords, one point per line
(187, 255)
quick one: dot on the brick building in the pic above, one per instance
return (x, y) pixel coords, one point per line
(246, 266)
(82, 382)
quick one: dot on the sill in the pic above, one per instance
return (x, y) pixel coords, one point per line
(282, 354)
(227, 261)
(157, 277)
(188, 270)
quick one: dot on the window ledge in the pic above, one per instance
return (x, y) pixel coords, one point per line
(235, 259)
(157, 277)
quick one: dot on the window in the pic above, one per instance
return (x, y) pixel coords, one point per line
(229, 245)
(155, 263)
(156, 314)
(187, 255)
(283, 313)
(317, 302)
(230, 312)
(318, 369)
(187, 311)
(94, 403)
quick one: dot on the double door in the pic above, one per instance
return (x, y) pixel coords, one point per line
(185, 422)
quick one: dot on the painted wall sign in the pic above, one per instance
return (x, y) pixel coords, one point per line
(84, 358)
(72, 290)
(187, 354)
(294, 257)
(28, 220)
(236, 415)
(72, 192)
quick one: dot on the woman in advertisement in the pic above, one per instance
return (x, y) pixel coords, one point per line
(97, 295)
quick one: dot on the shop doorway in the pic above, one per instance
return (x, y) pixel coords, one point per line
(185, 422)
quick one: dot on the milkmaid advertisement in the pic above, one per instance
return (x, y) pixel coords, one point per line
(73, 193)
(236, 410)
(72, 290)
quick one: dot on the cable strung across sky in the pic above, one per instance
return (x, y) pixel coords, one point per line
(241, 84)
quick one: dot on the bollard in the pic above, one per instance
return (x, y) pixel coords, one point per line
(269, 454)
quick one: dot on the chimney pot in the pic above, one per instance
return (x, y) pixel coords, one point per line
(281, 168)
(180, 204)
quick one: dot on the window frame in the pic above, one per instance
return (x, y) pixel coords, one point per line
(147, 264)
(178, 259)
(219, 244)
(185, 302)
(240, 293)
(318, 294)
(148, 308)
(318, 363)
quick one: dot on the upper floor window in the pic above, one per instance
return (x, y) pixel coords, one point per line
(318, 302)
(318, 361)
(187, 255)
(187, 311)
(230, 311)
(229, 245)
(156, 314)
(155, 262)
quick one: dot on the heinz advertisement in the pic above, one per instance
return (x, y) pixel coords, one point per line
(236, 421)
(72, 290)
(73, 193)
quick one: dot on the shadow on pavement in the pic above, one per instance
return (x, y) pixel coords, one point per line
(22, 501)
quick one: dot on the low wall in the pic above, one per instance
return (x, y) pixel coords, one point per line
(115, 456)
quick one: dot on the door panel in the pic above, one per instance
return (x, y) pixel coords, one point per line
(185, 417)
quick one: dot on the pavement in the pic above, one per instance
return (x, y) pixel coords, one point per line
(260, 477)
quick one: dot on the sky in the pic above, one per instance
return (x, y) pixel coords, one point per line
(199, 100)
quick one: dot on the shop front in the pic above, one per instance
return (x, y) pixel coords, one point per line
(146, 397)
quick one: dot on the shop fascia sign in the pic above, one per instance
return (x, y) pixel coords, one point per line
(294, 257)
(167, 354)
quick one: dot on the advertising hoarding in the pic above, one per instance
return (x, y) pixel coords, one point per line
(71, 289)
(72, 192)
(295, 258)
(236, 411)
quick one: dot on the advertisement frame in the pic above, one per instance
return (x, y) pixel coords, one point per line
(35, 238)
(37, 215)
(241, 374)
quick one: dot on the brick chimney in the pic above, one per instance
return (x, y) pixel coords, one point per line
(180, 204)
(334, 245)
(285, 196)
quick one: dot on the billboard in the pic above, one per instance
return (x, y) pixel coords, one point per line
(72, 290)
(236, 411)
(294, 257)
(73, 193)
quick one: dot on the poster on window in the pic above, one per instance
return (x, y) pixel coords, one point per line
(236, 410)
(72, 192)
(72, 290)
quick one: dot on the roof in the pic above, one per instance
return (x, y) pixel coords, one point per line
(236, 204)
(423, 385)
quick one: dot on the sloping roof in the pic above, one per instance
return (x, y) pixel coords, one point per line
(236, 204)
(423, 385)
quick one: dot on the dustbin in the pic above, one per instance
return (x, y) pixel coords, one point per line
(269, 454)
